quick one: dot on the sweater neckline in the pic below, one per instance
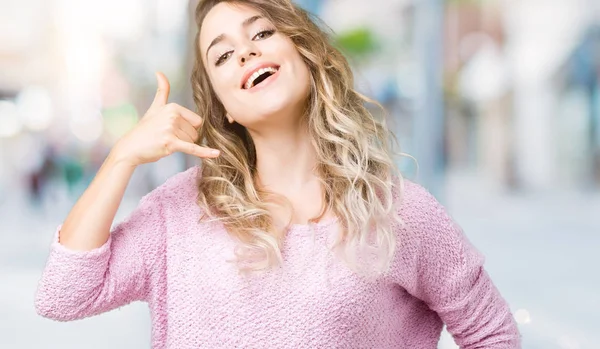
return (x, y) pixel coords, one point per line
(319, 225)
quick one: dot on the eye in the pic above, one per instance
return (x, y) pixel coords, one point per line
(264, 34)
(223, 58)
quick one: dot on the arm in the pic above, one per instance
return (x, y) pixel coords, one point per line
(164, 129)
(76, 284)
(88, 224)
(90, 270)
(447, 273)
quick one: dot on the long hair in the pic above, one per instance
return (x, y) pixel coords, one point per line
(353, 150)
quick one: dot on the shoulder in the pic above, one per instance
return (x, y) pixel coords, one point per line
(415, 203)
(425, 221)
(181, 182)
(428, 223)
(180, 186)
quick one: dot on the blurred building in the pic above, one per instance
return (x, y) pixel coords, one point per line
(520, 80)
(577, 84)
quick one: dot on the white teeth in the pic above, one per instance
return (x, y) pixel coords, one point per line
(256, 74)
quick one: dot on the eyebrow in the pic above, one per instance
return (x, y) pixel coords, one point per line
(222, 37)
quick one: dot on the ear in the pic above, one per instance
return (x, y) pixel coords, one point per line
(229, 118)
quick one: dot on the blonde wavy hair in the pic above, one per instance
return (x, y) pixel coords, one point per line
(353, 151)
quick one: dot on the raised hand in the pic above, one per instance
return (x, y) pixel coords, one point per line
(165, 128)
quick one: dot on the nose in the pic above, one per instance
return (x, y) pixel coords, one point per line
(247, 52)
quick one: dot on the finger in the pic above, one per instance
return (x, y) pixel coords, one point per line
(193, 118)
(184, 136)
(194, 149)
(188, 129)
(162, 92)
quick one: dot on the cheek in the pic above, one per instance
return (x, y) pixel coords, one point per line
(222, 85)
(302, 74)
(301, 70)
(220, 91)
(230, 99)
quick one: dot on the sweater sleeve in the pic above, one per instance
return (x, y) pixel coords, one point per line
(78, 284)
(439, 265)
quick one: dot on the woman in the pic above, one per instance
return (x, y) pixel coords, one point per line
(294, 233)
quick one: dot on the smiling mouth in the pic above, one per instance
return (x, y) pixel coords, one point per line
(259, 76)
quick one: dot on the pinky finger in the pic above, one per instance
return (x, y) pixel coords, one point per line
(195, 150)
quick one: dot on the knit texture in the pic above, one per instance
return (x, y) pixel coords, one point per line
(163, 255)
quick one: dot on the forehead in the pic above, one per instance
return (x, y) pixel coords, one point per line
(222, 18)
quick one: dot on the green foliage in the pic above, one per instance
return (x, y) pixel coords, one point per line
(357, 42)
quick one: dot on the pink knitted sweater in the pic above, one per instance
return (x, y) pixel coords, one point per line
(161, 255)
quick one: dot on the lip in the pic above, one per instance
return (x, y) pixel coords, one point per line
(255, 68)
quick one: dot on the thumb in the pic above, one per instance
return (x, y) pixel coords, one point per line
(162, 93)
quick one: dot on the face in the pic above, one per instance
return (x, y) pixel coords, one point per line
(256, 72)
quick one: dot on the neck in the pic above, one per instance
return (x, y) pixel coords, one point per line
(285, 158)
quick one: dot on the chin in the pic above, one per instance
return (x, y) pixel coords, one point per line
(276, 107)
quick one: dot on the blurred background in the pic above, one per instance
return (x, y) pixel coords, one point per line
(498, 100)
